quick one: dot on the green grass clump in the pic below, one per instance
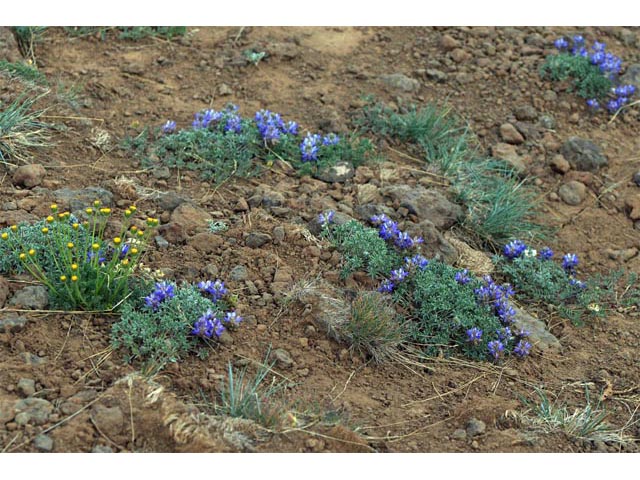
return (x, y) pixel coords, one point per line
(256, 399)
(499, 204)
(23, 71)
(163, 335)
(588, 81)
(21, 129)
(584, 423)
(81, 268)
(128, 33)
(374, 327)
(27, 38)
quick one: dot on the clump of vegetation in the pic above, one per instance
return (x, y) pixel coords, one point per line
(445, 309)
(21, 129)
(24, 71)
(544, 282)
(79, 266)
(27, 38)
(594, 72)
(256, 399)
(172, 321)
(253, 56)
(128, 33)
(362, 249)
(585, 423)
(222, 144)
(374, 327)
(499, 204)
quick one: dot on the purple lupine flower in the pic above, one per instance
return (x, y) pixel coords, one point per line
(417, 261)
(522, 333)
(388, 230)
(495, 348)
(163, 290)
(574, 282)
(462, 277)
(570, 262)
(169, 127)
(152, 301)
(507, 290)
(613, 105)
(545, 253)
(598, 46)
(474, 335)
(232, 317)
(578, 39)
(504, 311)
(398, 275)
(561, 43)
(386, 286)
(623, 91)
(99, 254)
(324, 219)
(597, 58)
(522, 349)
(309, 148)
(216, 290)
(124, 250)
(330, 139)
(270, 125)
(378, 219)
(291, 128)
(504, 334)
(492, 291)
(207, 325)
(593, 103)
(403, 240)
(514, 249)
(233, 124)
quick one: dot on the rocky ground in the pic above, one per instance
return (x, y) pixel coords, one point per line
(63, 390)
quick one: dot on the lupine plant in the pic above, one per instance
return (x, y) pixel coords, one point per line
(81, 268)
(221, 143)
(543, 281)
(446, 309)
(594, 72)
(171, 321)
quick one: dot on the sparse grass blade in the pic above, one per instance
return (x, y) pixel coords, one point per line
(27, 37)
(21, 128)
(499, 205)
(23, 71)
(252, 399)
(374, 327)
(585, 423)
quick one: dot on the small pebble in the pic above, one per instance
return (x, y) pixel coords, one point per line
(44, 443)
